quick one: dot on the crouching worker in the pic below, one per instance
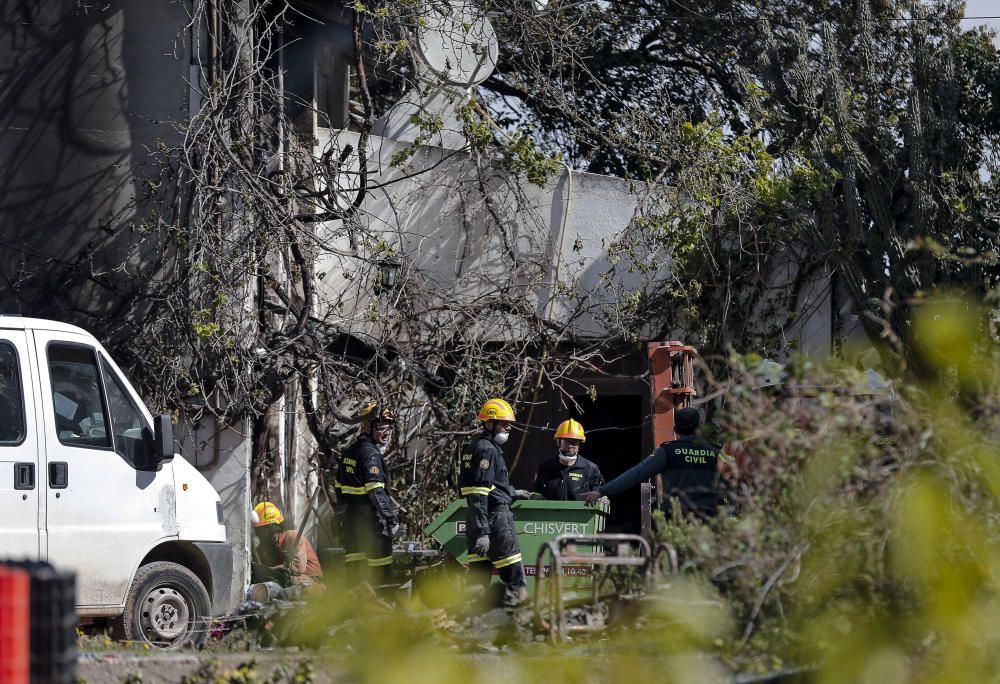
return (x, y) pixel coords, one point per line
(370, 518)
(484, 482)
(282, 555)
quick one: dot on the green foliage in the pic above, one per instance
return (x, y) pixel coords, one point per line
(522, 156)
(429, 125)
(391, 48)
(202, 324)
(844, 139)
(214, 672)
(866, 528)
(476, 129)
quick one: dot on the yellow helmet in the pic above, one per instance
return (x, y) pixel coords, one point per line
(570, 429)
(496, 409)
(267, 514)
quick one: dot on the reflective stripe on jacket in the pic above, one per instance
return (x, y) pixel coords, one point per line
(484, 483)
(362, 477)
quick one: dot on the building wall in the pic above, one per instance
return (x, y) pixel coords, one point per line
(451, 241)
(223, 454)
(87, 90)
(432, 212)
(85, 94)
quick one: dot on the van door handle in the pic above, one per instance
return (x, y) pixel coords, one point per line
(24, 476)
(58, 474)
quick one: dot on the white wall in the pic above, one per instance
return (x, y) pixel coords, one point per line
(222, 455)
(439, 221)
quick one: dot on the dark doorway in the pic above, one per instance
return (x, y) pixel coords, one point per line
(614, 442)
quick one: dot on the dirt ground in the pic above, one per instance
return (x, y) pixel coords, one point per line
(171, 668)
(268, 667)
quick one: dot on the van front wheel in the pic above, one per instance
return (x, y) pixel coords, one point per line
(167, 606)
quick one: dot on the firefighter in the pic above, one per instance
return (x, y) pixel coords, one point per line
(483, 480)
(689, 465)
(371, 521)
(568, 476)
(282, 554)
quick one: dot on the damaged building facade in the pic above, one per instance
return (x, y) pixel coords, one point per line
(91, 94)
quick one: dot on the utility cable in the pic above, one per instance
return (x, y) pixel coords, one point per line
(551, 303)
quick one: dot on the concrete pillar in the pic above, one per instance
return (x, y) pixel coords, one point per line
(222, 455)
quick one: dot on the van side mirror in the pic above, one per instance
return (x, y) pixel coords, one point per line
(156, 446)
(163, 439)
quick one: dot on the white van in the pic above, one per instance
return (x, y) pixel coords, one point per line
(89, 483)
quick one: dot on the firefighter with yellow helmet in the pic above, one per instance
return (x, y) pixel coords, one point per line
(282, 554)
(568, 476)
(371, 521)
(484, 482)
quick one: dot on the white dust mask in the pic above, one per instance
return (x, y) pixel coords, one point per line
(567, 459)
(500, 438)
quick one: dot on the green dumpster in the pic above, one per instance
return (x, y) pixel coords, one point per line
(536, 522)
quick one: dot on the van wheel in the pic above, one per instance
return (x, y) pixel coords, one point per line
(167, 606)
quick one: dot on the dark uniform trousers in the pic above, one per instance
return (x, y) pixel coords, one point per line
(504, 554)
(368, 551)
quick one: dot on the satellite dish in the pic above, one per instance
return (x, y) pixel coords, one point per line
(456, 49)
(459, 47)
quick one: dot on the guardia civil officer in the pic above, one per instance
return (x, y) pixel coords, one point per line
(568, 476)
(483, 481)
(371, 521)
(689, 466)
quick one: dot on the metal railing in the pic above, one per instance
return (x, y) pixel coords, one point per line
(565, 549)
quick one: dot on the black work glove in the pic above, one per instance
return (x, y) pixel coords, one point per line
(482, 545)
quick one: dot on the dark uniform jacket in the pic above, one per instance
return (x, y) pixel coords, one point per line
(484, 482)
(567, 483)
(690, 469)
(362, 478)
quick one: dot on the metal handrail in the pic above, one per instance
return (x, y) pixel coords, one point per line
(557, 626)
